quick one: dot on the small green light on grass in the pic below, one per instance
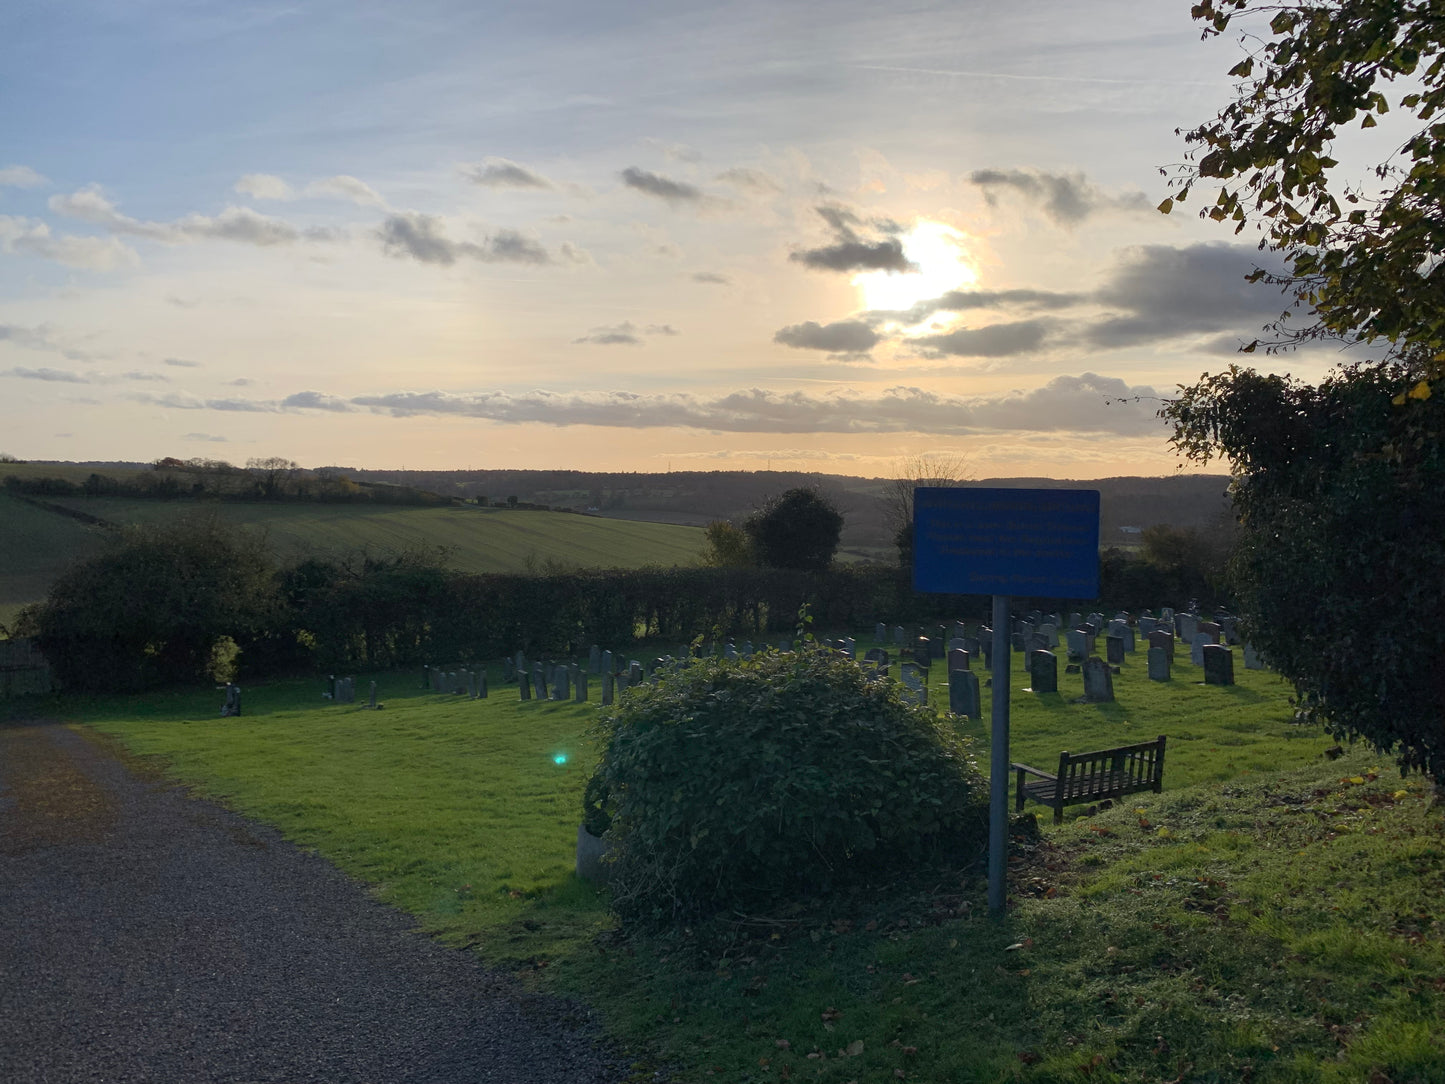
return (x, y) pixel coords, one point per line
(559, 758)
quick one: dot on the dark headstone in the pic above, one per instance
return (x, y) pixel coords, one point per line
(231, 708)
(1158, 663)
(1114, 650)
(1218, 665)
(957, 659)
(1098, 681)
(609, 687)
(964, 697)
(1164, 640)
(1044, 671)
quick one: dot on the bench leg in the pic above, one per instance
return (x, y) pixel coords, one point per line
(1019, 792)
(1059, 813)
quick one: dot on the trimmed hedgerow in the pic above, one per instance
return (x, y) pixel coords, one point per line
(742, 784)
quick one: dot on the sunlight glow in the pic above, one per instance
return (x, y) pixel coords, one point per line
(942, 266)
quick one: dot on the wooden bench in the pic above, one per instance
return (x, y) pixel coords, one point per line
(1093, 777)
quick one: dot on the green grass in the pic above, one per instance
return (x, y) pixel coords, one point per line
(1272, 916)
(36, 545)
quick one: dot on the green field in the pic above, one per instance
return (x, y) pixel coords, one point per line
(36, 545)
(1272, 916)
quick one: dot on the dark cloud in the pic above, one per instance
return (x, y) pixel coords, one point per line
(315, 400)
(503, 173)
(969, 300)
(1067, 198)
(420, 236)
(711, 278)
(1086, 404)
(57, 376)
(845, 336)
(991, 341)
(624, 334)
(1162, 292)
(851, 251)
(664, 188)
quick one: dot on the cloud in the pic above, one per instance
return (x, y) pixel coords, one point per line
(347, 187)
(852, 252)
(33, 238)
(264, 186)
(181, 363)
(179, 401)
(990, 341)
(315, 400)
(58, 376)
(207, 437)
(270, 187)
(750, 180)
(845, 336)
(136, 374)
(239, 224)
(420, 236)
(40, 338)
(20, 177)
(504, 173)
(662, 329)
(1089, 403)
(711, 278)
(1163, 292)
(623, 334)
(664, 188)
(1066, 198)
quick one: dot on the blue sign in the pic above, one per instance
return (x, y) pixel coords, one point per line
(1042, 543)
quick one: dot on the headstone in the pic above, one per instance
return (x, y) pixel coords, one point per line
(330, 693)
(371, 703)
(850, 647)
(634, 673)
(481, 684)
(956, 643)
(1218, 665)
(539, 681)
(900, 636)
(923, 648)
(1037, 642)
(1075, 620)
(524, 686)
(1252, 661)
(1147, 625)
(1050, 632)
(729, 652)
(747, 649)
(1075, 638)
(1211, 629)
(960, 630)
(1114, 650)
(594, 660)
(1098, 681)
(958, 660)
(561, 685)
(1044, 671)
(509, 670)
(609, 687)
(911, 675)
(880, 633)
(964, 697)
(1187, 626)
(1166, 613)
(1130, 644)
(1164, 641)
(1196, 647)
(1158, 664)
(876, 655)
(231, 708)
(579, 686)
(608, 663)
(1231, 629)
(969, 644)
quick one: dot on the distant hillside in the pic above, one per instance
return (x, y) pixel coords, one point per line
(695, 497)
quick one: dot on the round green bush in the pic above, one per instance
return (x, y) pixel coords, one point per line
(741, 784)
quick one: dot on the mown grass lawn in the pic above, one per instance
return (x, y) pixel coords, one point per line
(1272, 916)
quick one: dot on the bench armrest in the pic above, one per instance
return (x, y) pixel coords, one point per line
(1032, 771)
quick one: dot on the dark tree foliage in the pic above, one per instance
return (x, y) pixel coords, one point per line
(1340, 572)
(798, 529)
(148, 612)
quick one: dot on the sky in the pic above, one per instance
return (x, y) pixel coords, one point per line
(441, 234)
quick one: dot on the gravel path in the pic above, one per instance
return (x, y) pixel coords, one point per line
(147, 937)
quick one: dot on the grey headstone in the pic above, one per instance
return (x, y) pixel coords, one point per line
(1050, 632)
(1218, 665)
(579, 685)
(594, 660)
(1252, 661)
(1196, 647)
(1098, 681)
(850, 647)
(964, 697)
(481, 684)
(900, 636)
(371, 703)
(609, 687)
(524, 686)
(1147, 625)
(231, 707)
(876, 655)
(880, 633)
(1044, 671)
(1158, 664)
(1187, 625)
(1075, 639)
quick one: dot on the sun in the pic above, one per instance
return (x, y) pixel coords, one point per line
(938, 252)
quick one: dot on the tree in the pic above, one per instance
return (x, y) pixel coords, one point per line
(151, 610)
(728, 546)
(274, 472)
(798, 529)
(1340, 571)
(897, 498)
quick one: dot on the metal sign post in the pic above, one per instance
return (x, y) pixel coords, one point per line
(1040, 543)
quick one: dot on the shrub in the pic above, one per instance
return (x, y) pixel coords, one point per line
(742, 784)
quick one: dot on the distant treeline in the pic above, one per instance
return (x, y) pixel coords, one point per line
(153, 610)
(242, 485)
